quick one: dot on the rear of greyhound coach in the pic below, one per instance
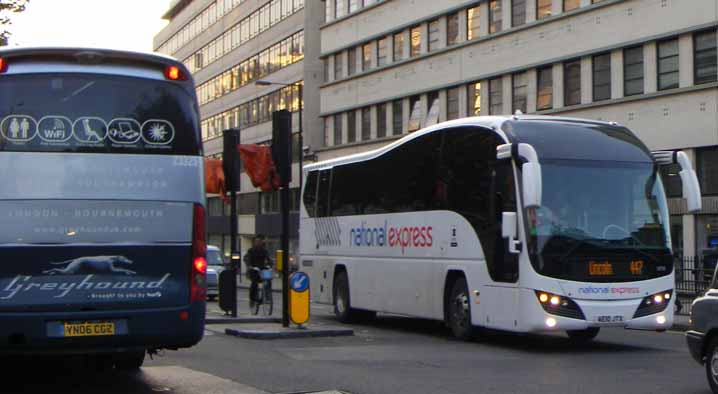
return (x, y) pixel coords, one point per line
(102, 228)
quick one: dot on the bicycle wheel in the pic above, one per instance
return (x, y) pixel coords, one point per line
(267, 302)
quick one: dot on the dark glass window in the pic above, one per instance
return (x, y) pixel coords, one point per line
(452, 103)
(671, 180)
(668, 64)
(338, 66)
(366, 123)
(707, 163)
(518, 12)
(338, 129)
(543, 9)
(351, 61)
(633, 71)
(433, 35)
(544, 88)
(602, 77)
(474, 96)
(496, 94)
(495, 16)
(323, 193)
(572, 82)
(397, 117)
(452, 29)
(351, 126)
(472, 23)
(432, 116)
(382, 57)
(310, 193)
(519, 83)
(381, 120)
(705, 60)
(398, 46)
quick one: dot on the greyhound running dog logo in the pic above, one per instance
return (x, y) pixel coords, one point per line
(93, 265)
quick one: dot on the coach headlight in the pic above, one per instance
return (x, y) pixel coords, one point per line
(654, 303)
(559, 305)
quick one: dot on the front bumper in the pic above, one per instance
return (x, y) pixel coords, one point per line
(30, 333)
(695, 344)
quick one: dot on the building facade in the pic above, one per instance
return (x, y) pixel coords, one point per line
(229, 45)
(391, 67)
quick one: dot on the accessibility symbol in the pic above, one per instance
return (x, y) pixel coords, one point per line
(299, 282)
(55, 128)
(124, 131)
(89, 129)
(18, 128)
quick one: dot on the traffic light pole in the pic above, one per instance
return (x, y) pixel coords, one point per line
(284, 200)
(231, 169)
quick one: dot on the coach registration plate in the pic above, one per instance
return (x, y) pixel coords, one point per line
(89, 329)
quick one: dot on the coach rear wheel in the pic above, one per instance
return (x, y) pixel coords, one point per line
(712, 364)
(459, 307)
(586, 335)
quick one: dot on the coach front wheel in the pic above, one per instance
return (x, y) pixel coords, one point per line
(459, 307)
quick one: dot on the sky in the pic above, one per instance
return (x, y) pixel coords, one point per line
(116, 24)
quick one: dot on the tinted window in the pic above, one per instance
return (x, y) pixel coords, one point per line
(96, 113)
(323, 193)
(310, 193)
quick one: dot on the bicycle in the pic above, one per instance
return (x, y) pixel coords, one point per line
(264, 293)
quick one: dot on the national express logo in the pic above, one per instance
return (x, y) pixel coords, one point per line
(394, 237)
(609, 290)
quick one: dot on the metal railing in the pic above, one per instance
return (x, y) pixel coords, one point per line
(694, 275)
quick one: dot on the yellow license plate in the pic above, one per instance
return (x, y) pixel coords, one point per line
(89, 329)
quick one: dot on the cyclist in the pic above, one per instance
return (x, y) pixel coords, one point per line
(256, 257)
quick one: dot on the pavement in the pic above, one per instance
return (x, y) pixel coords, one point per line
(249, 326)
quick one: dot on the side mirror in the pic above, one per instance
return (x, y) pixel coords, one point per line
(689, 180)
(531, 182)
(509, 228)
(691, 187)
(530, 171)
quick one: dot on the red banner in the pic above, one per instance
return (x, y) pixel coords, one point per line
(260, 167)
(214, 181)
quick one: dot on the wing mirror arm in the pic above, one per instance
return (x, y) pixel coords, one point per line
(689, 179)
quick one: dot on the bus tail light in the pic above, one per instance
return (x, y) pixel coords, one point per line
(174, 73)
(559, 305)
(654, 303)
(198, 272)
(3, 65)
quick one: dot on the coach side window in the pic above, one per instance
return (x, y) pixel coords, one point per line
(504, 266)
(323, 193)
(310, 193)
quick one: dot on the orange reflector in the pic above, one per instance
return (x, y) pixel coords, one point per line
(184, 315)
(200, 265)
(173, 73)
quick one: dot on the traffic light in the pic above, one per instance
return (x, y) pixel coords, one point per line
(282, 144)
(230, 158)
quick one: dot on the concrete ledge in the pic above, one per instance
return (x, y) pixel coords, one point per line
(230, 320)
(283, 333)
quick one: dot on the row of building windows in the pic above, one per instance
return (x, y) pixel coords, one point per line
(259, 21)
(336, 9)
(253, 203)
(280, 55)
(198, 24)
(705, 70)
(379, 49)
(252, 112)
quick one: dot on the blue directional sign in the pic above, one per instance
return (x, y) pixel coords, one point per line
(299, 282)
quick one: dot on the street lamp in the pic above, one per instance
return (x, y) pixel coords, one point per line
(300, 86)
